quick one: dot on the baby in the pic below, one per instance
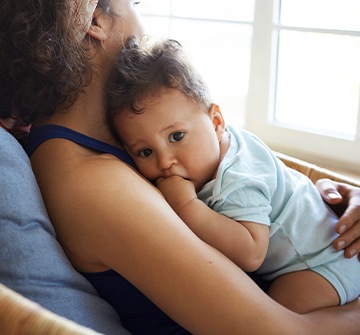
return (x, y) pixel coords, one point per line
(225, 183)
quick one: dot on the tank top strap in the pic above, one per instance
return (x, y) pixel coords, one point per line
(40, 134)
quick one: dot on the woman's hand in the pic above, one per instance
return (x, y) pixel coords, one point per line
(345, 201)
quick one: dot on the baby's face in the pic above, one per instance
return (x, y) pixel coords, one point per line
(173, 136)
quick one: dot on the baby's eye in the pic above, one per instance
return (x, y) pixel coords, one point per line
(145, 153)
(177, 136)
(136, 3)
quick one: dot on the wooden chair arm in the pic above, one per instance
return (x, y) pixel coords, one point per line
(315, 172)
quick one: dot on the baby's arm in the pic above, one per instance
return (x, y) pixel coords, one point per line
(245, 243)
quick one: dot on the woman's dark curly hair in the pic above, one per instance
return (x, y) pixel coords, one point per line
(144, 68)
(42, 66)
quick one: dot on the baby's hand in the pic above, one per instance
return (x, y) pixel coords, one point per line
(177, 191)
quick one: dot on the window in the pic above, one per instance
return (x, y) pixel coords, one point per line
(287, 70)
(304, 89)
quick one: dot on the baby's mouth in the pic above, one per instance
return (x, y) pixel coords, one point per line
(167, 175)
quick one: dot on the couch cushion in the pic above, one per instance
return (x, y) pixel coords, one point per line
(31, 260)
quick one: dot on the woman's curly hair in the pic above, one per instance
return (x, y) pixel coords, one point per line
(42, 65)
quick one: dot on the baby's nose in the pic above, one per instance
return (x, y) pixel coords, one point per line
(166, 161)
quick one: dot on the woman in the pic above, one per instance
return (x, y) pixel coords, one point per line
(109, 220)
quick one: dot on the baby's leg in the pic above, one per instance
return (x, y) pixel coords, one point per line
(303, 291)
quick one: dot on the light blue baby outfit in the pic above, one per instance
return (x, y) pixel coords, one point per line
(253, 185)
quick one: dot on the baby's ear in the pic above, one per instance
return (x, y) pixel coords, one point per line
(217, 120)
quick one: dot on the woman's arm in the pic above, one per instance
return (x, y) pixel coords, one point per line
(245, 243)
(107, 216)
(188, 279)
(345, 200)
(143, 239)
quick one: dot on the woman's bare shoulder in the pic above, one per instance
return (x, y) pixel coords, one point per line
(104, 199)
(89, 196)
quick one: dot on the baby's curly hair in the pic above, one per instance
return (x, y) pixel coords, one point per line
(144, 68)
(42, 64)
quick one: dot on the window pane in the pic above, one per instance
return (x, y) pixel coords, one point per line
(157, 7)
(222, 54)
(219, 50)
(215, 9)
(157, 25)
(332, 14)
(230, 10)
(319, 82)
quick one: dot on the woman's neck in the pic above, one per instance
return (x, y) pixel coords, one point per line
(87, 115)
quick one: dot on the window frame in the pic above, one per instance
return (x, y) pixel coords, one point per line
(336, 153)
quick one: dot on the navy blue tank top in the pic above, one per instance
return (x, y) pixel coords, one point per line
(137, 313)
(41, 134)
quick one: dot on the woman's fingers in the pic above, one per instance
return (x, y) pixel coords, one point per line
(328, 190)
(345, 201)
(348, 227)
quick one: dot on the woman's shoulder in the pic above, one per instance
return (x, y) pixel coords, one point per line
(90, 199)
(74, 179)
(89, 172)
(102, 169)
